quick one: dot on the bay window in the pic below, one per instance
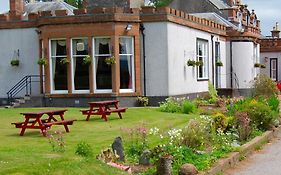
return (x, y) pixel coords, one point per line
(80, 70)
(126, 55)
(58, 71)
(102, 71)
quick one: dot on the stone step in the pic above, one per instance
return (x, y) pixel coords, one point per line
(20, 100)
(27, 97)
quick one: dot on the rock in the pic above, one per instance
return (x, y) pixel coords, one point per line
(144, 158)
(188, 169)
(164, 165)
(118, 149)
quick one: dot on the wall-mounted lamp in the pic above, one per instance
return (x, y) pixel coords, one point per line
(129, 27)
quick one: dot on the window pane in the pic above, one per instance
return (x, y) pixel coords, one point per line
(126, 46)
(58, 47)
(102, 46)
(59, 74)
(126, 72)
(80, 47)
(81, 74)
(103, 74)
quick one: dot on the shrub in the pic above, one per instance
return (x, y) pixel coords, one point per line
(188, 107)
(84, 149)
(243, 126)
(220, 121)
(260, 114)
(170, 105)
(264, 86)
(143, 101)
(212, 93)
(197, 134)
(273, 103)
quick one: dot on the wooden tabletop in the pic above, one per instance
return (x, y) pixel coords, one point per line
(108, 102)
(44, 112)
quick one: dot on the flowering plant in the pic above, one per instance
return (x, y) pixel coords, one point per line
(110, 60)
(64, 61)
(42, 61)
(87, 60)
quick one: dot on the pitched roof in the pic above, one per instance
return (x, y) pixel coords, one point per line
(216, 18)
(219, 4)
(47, 6)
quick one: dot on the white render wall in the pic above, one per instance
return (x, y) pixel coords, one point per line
(243, 59)
(168, 47)
(26, 41)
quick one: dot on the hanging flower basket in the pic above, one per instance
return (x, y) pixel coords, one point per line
(219, 64)
(15, 62)
(191, 63)
(257, 65)
(262, 66)
(42, 61)
(199, 63)
(110, 60)
(87, 60)
(64, 61)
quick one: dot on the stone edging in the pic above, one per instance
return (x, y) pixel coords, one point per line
(246, 149)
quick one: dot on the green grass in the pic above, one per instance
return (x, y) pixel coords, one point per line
(32, 154)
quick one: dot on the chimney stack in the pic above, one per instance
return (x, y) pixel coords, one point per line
(275, 33)
(16, 9)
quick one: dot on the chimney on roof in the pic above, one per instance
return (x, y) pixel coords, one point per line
(16, 7)
(275, 33)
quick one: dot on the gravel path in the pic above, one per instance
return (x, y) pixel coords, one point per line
(264, 162)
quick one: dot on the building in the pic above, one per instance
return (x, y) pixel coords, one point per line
(271, 54)
(150, 46)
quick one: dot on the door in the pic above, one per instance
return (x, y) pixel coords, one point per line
(273, 69)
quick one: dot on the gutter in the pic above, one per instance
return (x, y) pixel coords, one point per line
(142, 28)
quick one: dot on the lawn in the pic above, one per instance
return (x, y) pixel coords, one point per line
(32, 153)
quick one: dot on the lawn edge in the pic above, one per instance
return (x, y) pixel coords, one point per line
(245, 150)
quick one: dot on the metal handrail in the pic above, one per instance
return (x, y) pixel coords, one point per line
(24, 83)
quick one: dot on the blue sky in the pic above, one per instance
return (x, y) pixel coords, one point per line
(267, 11)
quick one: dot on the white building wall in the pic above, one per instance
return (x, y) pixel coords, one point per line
(168, 47)
(26, 41)
(243, 60)
(156, 46)
(182, 46)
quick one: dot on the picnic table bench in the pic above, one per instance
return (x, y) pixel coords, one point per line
(103, 108)
(33, 120)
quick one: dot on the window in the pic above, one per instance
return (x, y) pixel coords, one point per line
(58, 70)
(102, 71)
(202, 56)
(80, 71)
(273, 69)
(126, 54)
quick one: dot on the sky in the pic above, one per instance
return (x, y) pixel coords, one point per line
(268, 11)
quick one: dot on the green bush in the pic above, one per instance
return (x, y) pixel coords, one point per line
(260, 114)
(264, 86)
(198, 133)
(84, 149)
(170, 105)
(220, 121)
(243, 126)
(273, 103)
(212, 93)
(188, 107)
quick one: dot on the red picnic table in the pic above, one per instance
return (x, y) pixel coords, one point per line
(103, 108)
(33, 120)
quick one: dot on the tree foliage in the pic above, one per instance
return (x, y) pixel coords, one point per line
(160, 3)
(75, 3)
